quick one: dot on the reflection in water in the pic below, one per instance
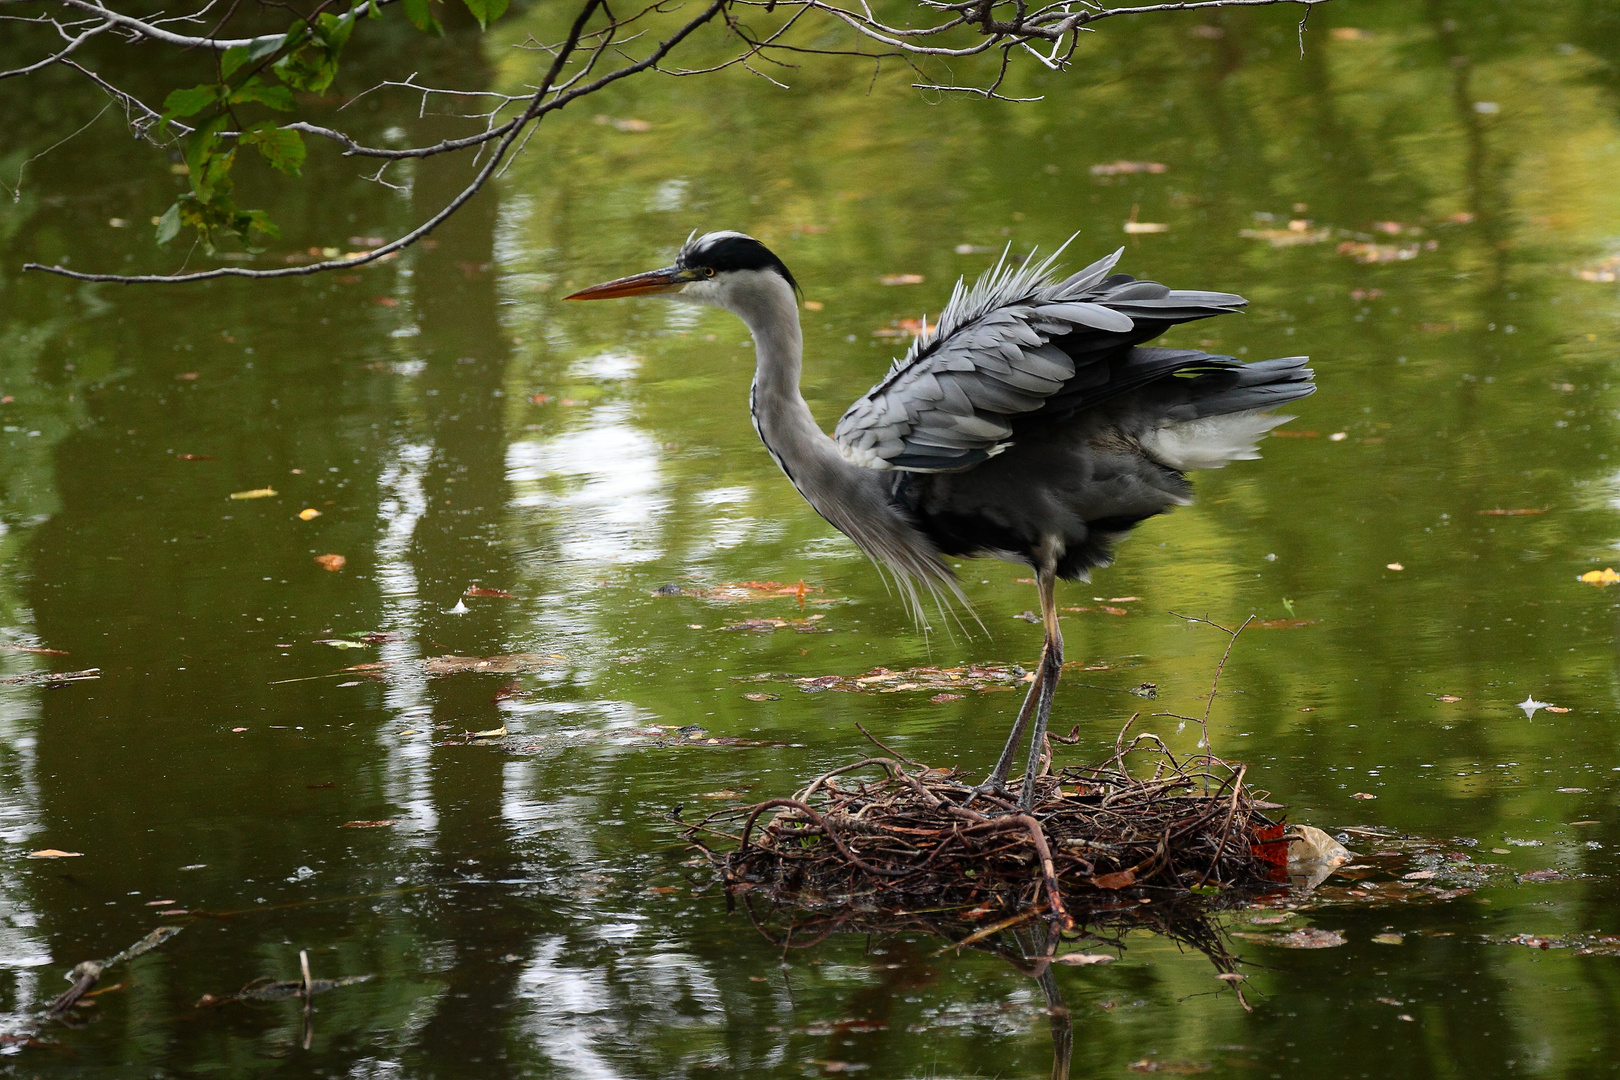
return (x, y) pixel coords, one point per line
(526, 912)
(1028, 944)
(601, 485)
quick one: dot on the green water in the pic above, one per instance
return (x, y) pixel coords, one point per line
(527, 911)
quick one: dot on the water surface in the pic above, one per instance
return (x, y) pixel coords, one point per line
(1425, 203)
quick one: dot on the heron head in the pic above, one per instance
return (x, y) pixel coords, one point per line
(726, 269)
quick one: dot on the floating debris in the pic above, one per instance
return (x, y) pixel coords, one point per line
(50, 678)
(267, 989)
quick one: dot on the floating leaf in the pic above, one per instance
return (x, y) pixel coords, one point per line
(1084, 959)
(1175, 1068)
(367, 824)
(900, 279)
(1307, 938)
(1606, 576)
(1116, 168)
(255, 493)
(1363, 795)
(1311, 845)
(330, 561)
(308, 514)
(492, 733)
(497, 593)
(765, 626)
(1388, 939)
(55, 853)
(1289, 237)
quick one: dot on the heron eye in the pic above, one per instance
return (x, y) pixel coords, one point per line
(708, 271)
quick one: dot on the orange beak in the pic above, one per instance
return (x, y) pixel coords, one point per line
(653, 281)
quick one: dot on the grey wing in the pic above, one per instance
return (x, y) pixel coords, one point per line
(1017, 342)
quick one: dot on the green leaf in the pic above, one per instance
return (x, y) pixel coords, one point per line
(190, 102)
(314, 64)
(334, 31)
(259, 221)
(420, 14)
(277, 97)
(486, 11)
(209, 166)
(283, 149)
(234, 58)
(252, 53)
(168, 226)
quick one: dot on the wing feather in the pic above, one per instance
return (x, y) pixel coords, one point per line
(1017, 342)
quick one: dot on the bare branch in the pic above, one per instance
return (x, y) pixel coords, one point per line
(157, 33)
(537, 107)
(49, 60)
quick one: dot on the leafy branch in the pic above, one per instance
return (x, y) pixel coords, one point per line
(256, 80)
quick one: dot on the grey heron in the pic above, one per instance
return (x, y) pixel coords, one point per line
(1029, 424)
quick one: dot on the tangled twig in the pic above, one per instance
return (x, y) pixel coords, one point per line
(909, 837)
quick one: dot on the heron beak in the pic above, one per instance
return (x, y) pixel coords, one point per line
(667, 280)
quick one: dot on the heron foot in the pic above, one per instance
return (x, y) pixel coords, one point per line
(993, 789)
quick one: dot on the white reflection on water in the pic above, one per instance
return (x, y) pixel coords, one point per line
(574, 1013)
(21, 947)
(601, 487)
(731, 528)
(402, 506)
(613, 365)
(581, 1010)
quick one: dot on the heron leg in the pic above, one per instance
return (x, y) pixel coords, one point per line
(1046, 679)
(997, 780)
(1038, 702)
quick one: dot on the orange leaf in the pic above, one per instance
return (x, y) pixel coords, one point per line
(331, 562)
(1272, 848)
(1120, 880)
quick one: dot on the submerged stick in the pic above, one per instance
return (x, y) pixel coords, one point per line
(85, 975)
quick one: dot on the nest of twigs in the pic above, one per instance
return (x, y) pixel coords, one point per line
(887, 834)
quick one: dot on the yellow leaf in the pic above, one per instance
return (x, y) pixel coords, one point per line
(492, 733)
(309, 514)
(53, 853)
(256, 493)
(1606, 576)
